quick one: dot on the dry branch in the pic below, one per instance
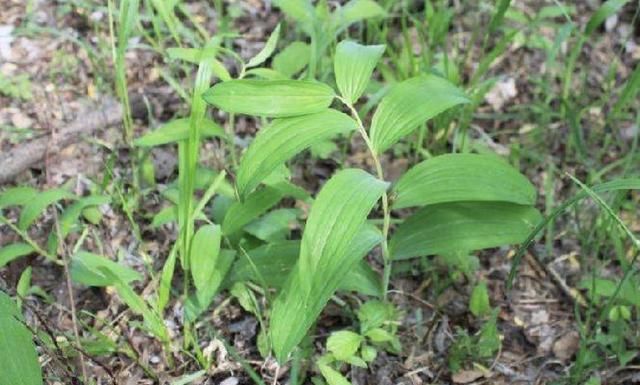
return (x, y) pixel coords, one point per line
(25, 155)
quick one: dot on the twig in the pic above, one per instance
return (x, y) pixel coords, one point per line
(571, 293)
(23, 156)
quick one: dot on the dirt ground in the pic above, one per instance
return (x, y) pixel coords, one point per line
(65, 55)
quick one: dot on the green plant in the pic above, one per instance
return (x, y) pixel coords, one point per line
(378, 327)
(468, 201)
(20, 364)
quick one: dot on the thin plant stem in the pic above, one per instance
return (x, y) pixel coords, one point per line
(386, 257)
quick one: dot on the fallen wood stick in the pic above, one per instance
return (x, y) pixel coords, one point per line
(26, 155)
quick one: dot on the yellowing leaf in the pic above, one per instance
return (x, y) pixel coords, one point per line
(410, 104)
(271, 98)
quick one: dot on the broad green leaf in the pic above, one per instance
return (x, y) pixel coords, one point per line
(479, 304)
(242, 213)
(205, 177)
(299, 10)
(71, 215)
(363, 279)
(18, 357)
(283, 139)
(410, 104)
(39, 203)
(336, 220)
(605, 11)
(267, 50)
(355, 11)
(273, 226)
(462, 177)
(379, 335)
(164, 216)
(189, 55)
(266, 73)
(164, 287)
(462, 227)
(373, 314)
(289, 189)
(292, 59)
(89, 269)
(14, 251)
(336, 217)
(198, 303)
(271, 98)
(205, 249)
(353, 66)
(267, 264)
(23, 286)
(17, 196)
(332, 376)
(177, 130)
(344, 344)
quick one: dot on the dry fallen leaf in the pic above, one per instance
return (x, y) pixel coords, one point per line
(566, 346)
(502, 92)
(467, 376)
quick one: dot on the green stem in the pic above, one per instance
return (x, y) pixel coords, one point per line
(386, 257)
(25, 237)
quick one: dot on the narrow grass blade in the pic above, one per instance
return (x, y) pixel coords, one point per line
(605, 11)
(628, 93)
(177, 130)
(615, 185)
